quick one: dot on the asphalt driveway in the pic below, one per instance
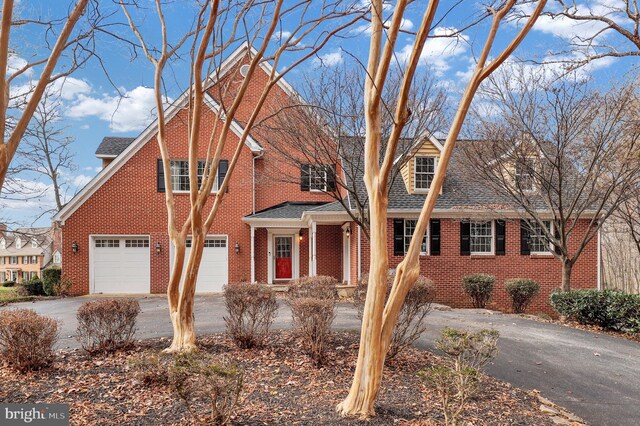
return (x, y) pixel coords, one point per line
(596, 376)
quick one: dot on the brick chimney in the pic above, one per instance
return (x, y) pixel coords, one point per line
(3, 229)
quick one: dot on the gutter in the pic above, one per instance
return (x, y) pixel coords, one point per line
(253, 184)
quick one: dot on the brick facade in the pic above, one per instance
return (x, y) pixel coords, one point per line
(447, 269)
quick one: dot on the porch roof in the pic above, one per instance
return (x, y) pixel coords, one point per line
(286, 210)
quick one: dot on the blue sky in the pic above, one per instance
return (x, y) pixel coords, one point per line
(93, 108)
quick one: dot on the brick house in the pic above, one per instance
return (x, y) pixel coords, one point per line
(115, 229)
(25, 252)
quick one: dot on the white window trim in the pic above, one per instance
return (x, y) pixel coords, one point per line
(34, 243)
(515, 175)
(435, 167)
(3, 244)
(549, 251)
(57, 257)
(427, 236)
(315, 168)
(18, 243)
(493, 240)
(214, 188)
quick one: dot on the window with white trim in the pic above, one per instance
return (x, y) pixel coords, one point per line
(180, 175)
(57, 257)
(18, 243)
(538, 241)
(107, 243)
(3, 243)
(409, 227)
(317, 177)
(424, 171)
(481, 237)
(524, 174)
(13, 260)
(34, 243)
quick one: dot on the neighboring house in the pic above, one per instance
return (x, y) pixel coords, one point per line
(25, 252)
(115, 229)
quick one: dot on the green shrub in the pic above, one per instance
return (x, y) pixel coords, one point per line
(33, 287)
(522, 292)
(479, 287)
(27, 339)
(51, 278)
(607, 309)
(8, 283)
(107, 325)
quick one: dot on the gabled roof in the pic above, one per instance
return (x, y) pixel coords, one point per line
(112, 146)
(151, 130)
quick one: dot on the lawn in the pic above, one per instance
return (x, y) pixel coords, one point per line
(10, 295)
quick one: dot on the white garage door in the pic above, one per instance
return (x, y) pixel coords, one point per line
(121, 265)
(214, 268)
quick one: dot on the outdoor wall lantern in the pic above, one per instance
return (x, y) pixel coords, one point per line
(75, 247)
(158, 247)
(301, 234)
(237, 247)
(348, 231)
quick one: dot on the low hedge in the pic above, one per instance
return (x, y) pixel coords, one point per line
(9, 283)
(608, 309)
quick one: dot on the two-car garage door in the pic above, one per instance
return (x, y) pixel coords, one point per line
(121, 265)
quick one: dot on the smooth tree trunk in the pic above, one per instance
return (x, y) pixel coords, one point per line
(567, 267)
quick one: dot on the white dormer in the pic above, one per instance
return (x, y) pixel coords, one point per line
(419, 170)
(34, 243)
(3, 244)
(57, 257)
(18, 243)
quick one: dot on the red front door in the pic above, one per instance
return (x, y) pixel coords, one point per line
(284, 267)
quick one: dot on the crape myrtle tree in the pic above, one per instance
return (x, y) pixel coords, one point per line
(380, 313)
(332, 115)
(64, 44)
(219, 27)
(562, 151)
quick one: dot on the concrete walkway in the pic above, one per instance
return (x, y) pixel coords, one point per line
(596, 376)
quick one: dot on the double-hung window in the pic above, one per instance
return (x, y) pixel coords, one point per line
(317, 177)
(538, 241)
(180, 175)
(424, 171)
(409, 227)
(481, 237)
(524, 172)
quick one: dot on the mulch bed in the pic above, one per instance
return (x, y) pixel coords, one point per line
(281, 387)
(573, 324)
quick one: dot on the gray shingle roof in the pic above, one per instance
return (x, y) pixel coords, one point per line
(287, 210)
(113, 146)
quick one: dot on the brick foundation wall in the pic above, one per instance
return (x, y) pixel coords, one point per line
(448, 269)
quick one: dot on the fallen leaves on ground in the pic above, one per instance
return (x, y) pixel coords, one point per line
(281, 387)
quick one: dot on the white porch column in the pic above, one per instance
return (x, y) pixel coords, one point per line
(312, 254)
(253, 254)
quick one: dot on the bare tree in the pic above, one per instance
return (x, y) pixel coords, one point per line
(45, 149)
(563, 153)
(217, 28)
(65, 48)
(381, 313)
(331, 112)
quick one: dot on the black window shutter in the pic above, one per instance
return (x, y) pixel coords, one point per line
(465, 240)
(524, 238)
(500, 237)
(160, 176)
(398, 237)
(331, 178)
(223, 166)
(304, 177)
(434, 242)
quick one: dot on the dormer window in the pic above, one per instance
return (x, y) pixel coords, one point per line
(424, 171)
(3, 244)
(524, 173)
(18, 243)
(34, 243)
(57, 258)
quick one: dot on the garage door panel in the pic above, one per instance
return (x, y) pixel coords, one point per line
(121, 265)
(214, 266)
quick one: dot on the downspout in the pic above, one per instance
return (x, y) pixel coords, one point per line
(359, 255)
(253, 182)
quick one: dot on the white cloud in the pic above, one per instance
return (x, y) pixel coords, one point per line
(438, 51)
(70, 88)
(16, 63)
(329, 59)
(81, 180)
(281, 35)
(134, 111)
(568, 29)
